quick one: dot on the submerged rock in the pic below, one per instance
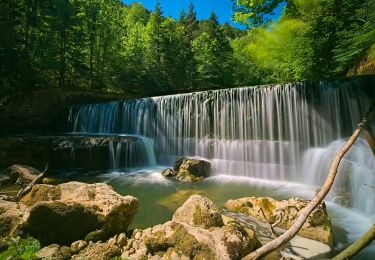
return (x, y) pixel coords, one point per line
(191, 236)
(22, 174)
(317, 226)
(176, 200)
(189, 170)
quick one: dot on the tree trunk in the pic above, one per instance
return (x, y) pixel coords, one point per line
(304, 213)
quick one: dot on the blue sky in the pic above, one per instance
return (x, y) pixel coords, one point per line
(223, 8)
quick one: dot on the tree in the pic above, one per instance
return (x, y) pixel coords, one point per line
(213, 54)
(254, 13)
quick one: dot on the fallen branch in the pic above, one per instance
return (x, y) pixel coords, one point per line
(38, 179)
(304, 213)
(369, 186)
(358, 245)
(270, 226)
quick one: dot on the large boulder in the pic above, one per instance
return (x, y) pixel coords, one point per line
(68, 212)
(22, 174)
(317, 226)
(191, 237)
(189, 170)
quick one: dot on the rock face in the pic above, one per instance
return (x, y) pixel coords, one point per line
(192, 237)
(61, 152)
(189, 170)
(68, 212)
(22, 174)
(317, 227)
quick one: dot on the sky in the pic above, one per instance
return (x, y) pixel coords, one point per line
(222, 8)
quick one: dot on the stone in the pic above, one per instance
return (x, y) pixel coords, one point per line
(199, 211)
(78, 246)
(317, 226)
(168, 173)
(183, 238)
(176, 240)
(178, 198)
(189, 170)
(11, 218)
(121, 240)
(98, 251)
(72, 211)
(22, 174)
(54, 252)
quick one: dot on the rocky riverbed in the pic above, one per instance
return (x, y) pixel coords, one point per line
(91, 221)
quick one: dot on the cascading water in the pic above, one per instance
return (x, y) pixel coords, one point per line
(282, 132)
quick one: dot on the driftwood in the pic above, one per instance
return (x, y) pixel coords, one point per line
(304, 213)
(358, 245)
(38, 179)
(270, 226)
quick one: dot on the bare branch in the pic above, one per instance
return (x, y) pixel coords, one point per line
(38, 179)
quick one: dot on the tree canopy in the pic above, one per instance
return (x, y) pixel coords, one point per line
(108, 45)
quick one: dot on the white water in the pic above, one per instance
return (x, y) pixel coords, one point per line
(282, 132)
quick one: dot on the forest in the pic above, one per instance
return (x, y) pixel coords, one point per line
(107, 45)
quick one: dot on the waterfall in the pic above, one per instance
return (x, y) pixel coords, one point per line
(280, 132)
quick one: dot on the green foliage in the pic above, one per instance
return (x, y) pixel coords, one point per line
(313, 39)
(21, 249)
(107, 45)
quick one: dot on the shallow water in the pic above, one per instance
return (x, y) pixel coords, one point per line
(159, 198)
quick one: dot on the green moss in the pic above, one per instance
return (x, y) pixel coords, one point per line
(21, 249)
(180, 242)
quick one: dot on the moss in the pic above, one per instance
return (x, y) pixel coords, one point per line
(180, 242)
(188, 245)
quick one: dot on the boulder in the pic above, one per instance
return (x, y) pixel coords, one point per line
(191, 237)
(198, 211)
(22, 174)
(317, 227)
(98, 251)
(11, 218)
(168, 173)
(189, 170)
(68, 212)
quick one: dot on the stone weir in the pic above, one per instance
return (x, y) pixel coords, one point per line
(74, 151)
